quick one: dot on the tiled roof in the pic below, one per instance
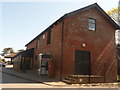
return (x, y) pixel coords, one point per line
(10, 55)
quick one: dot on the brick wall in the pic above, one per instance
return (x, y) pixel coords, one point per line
(54, 48)
(100, 43)
(75, 32)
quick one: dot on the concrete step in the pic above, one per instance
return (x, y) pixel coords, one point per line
(67, 81)
(84, 79)
(77, 76)
(68, 78)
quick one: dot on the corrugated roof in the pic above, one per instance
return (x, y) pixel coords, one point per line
(26, 53)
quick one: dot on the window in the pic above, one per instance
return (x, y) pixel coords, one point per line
(49, 37)
(92, 24)
(43, 36)
(38, 44)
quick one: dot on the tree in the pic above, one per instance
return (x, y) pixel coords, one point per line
(7, 51)
(21, 50)
(114, 14)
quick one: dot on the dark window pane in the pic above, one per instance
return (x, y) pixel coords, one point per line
(49, 37)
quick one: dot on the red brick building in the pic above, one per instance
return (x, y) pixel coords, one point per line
(81, 42)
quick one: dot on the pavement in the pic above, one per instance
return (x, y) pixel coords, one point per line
(32, 76)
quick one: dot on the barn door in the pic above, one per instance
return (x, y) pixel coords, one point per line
(82, 62)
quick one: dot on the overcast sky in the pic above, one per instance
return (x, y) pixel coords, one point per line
(22, 21)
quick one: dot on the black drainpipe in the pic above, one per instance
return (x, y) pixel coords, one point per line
(62, 49)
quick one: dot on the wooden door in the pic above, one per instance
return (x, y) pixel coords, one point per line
(82, 62)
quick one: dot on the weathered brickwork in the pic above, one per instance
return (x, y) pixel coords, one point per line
(69, 35)
(54, 47)
(100, 43)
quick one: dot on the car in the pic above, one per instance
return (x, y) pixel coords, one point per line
(2, 64)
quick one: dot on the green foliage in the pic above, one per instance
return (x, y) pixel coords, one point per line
(21, 50)
(7, 51)
(114, 14)
(1, 61)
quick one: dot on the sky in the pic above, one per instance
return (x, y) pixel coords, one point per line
(23, 20)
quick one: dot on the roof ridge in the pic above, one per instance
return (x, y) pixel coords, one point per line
(75, 12)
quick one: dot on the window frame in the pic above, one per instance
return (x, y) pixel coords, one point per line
(92, 24)
(38, 43)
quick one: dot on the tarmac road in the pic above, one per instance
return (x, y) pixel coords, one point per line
(6, 78)
(9, 81)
